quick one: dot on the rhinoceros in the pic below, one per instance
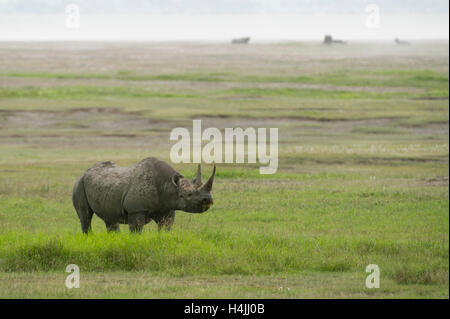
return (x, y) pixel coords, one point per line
(136, 195)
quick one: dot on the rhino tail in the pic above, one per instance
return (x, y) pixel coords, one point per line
(81, 205)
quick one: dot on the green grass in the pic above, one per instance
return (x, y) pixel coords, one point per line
(122, 284)
(128, 76)
(434, 83)
(397, 228)
(77, 92)
(220, 253)
(316, 93)
(371, 78)
(377, 78)
(82, 92)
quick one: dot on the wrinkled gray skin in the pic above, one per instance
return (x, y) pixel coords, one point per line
(135, 195)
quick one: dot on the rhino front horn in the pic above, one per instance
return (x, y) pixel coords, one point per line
(208, 185)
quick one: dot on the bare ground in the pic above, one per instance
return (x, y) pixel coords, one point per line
(179, 57)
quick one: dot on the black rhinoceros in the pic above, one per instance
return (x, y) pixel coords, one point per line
(135, 195)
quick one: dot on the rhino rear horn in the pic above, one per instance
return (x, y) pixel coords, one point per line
(208, 185)
(198, 179)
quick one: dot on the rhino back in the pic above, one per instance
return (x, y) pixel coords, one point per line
(105, 185)
(149, 180)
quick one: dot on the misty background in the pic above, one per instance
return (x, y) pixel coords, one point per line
(262, 20)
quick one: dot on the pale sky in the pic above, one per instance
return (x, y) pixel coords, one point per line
(222, 19)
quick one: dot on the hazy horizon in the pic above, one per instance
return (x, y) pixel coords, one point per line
(220, 20)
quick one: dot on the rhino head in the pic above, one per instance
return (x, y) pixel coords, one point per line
(193, 196)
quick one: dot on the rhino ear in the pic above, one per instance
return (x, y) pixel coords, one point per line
(176, 180)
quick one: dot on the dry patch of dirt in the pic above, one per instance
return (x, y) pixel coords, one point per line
(438, 181)
(89, 118)
(338, 125)
(431, 98)
(435, 181)
(293, 122)
(171, 57)
(97, 127)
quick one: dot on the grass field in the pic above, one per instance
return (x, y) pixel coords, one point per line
(362, 177)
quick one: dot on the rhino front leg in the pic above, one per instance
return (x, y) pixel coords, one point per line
(112, 227)
(136, 222)
(165, 222)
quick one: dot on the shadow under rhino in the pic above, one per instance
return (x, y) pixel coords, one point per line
(136, 195)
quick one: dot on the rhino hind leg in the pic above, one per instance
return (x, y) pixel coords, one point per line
(82, 207)
(112, 227)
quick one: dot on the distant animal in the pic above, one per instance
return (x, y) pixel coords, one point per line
(240, 40)
(401, 42)
(329, 40)
(136, 195)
